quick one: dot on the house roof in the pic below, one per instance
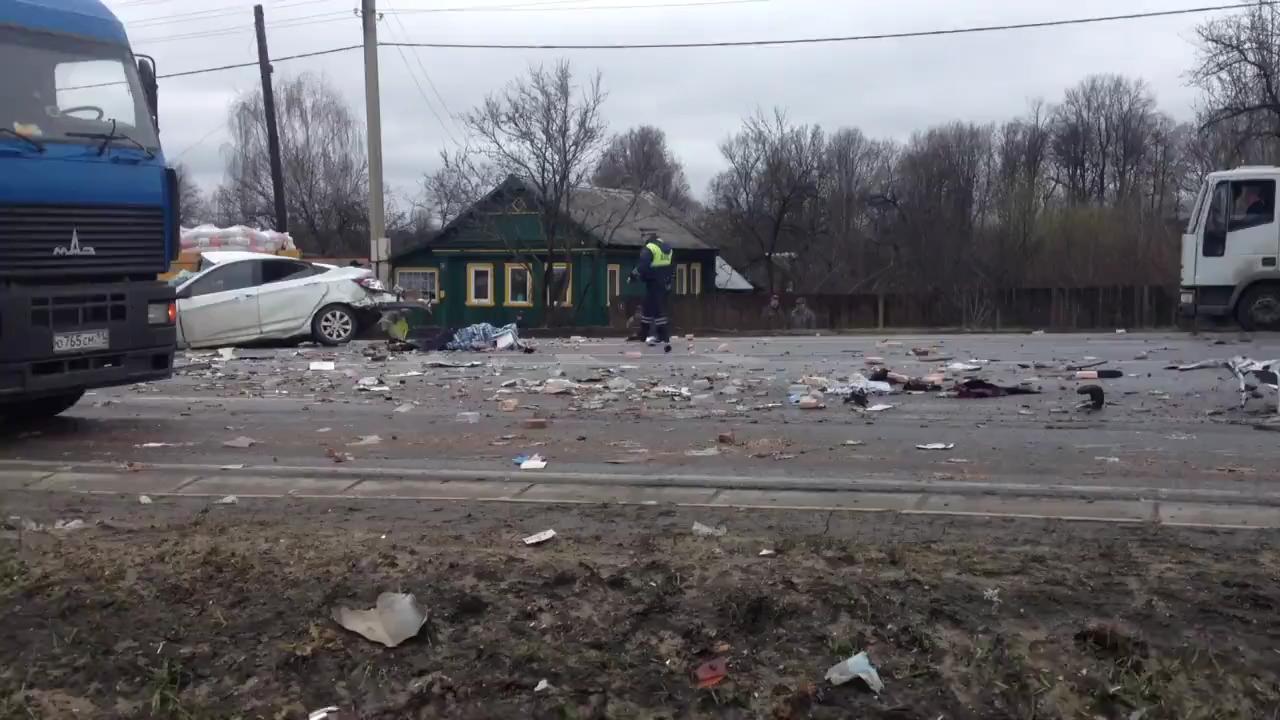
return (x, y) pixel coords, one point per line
(729, 279)
(620, 218)
(617, 218)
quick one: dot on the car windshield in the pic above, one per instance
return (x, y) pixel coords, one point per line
(55, 86)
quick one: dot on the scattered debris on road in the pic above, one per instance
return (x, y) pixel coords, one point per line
(240, 442)
(338, 456)
(936, 446)
(1240, 367)
(1097, 397)
(533, 462)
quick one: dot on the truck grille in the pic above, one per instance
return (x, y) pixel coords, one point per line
(59, 240)
(73, 312)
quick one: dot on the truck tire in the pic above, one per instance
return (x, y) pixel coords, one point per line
(334, 325)
(1259, 308)
(41, 408)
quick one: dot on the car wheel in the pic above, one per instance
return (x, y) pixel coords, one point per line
(1259, 308)
(334, 325)
(41, 408)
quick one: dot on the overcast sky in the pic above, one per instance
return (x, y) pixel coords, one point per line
(888, 88)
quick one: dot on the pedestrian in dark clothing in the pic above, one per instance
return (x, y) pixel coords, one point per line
(654, 270)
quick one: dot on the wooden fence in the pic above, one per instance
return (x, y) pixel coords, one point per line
(1036, 308)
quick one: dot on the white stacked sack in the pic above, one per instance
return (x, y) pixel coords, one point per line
(239, 237)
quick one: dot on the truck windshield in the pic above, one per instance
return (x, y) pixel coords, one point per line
(52, 85)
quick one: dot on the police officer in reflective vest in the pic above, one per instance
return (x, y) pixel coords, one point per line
(654, 269)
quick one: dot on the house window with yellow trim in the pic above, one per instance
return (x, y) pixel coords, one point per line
(613, 283)
(562, 278)
(480, 284)
(519, 286)
(682, 279)
(418, 280)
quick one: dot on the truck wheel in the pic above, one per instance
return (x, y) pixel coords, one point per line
(334, 325)
(1259, 308)
(41, 408)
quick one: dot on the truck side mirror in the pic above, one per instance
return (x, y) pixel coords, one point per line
(147, 74)
(1219, 210)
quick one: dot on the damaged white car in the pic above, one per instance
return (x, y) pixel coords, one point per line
(246, 297)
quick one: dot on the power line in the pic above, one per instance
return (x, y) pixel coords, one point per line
(198, 143)
(212, 14)
(845, 38)
(412, 76)
(926, 33)
(218, 32)
(299, 56)
(404, 32)
(529, 7)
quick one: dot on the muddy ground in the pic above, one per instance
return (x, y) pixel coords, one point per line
(183, 609)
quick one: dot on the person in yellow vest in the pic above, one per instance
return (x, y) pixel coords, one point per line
(654, 270)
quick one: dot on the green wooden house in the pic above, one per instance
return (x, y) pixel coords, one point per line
(488, 264)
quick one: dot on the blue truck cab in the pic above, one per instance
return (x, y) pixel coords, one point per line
(88, 210)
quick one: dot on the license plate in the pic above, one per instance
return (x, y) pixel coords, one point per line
(81, 341)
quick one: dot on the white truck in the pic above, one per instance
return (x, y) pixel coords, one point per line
(1230, 250)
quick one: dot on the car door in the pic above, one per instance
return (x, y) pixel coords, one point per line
(220, 307)
(290, 293)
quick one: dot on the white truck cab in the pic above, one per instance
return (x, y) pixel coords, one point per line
(1230, 249)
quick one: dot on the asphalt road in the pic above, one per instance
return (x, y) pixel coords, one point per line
(1160, 428)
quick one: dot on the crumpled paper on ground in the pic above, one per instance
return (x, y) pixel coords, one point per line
(395, 618)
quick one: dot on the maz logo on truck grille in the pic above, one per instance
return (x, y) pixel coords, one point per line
(74, 249)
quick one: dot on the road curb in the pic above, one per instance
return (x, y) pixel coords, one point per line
(871, 484)
(333, 487)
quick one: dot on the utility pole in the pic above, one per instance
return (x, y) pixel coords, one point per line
(273, 131)
(373, 111)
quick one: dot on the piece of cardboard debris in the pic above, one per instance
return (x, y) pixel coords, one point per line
(539, 538)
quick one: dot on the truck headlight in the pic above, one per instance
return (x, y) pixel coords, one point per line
(162, 313)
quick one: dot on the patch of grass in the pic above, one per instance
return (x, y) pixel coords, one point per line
(164, 692)
(13, 706)
(13, 572)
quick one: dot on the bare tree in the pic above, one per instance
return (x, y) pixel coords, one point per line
(326, 176)
(640, 160)
(1238, 69)
(1022, 191)
(768, 198)
(857, 168)
(1100, 134)
(548, 130)
(942, 193)
(462, 179)
(192, 207)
